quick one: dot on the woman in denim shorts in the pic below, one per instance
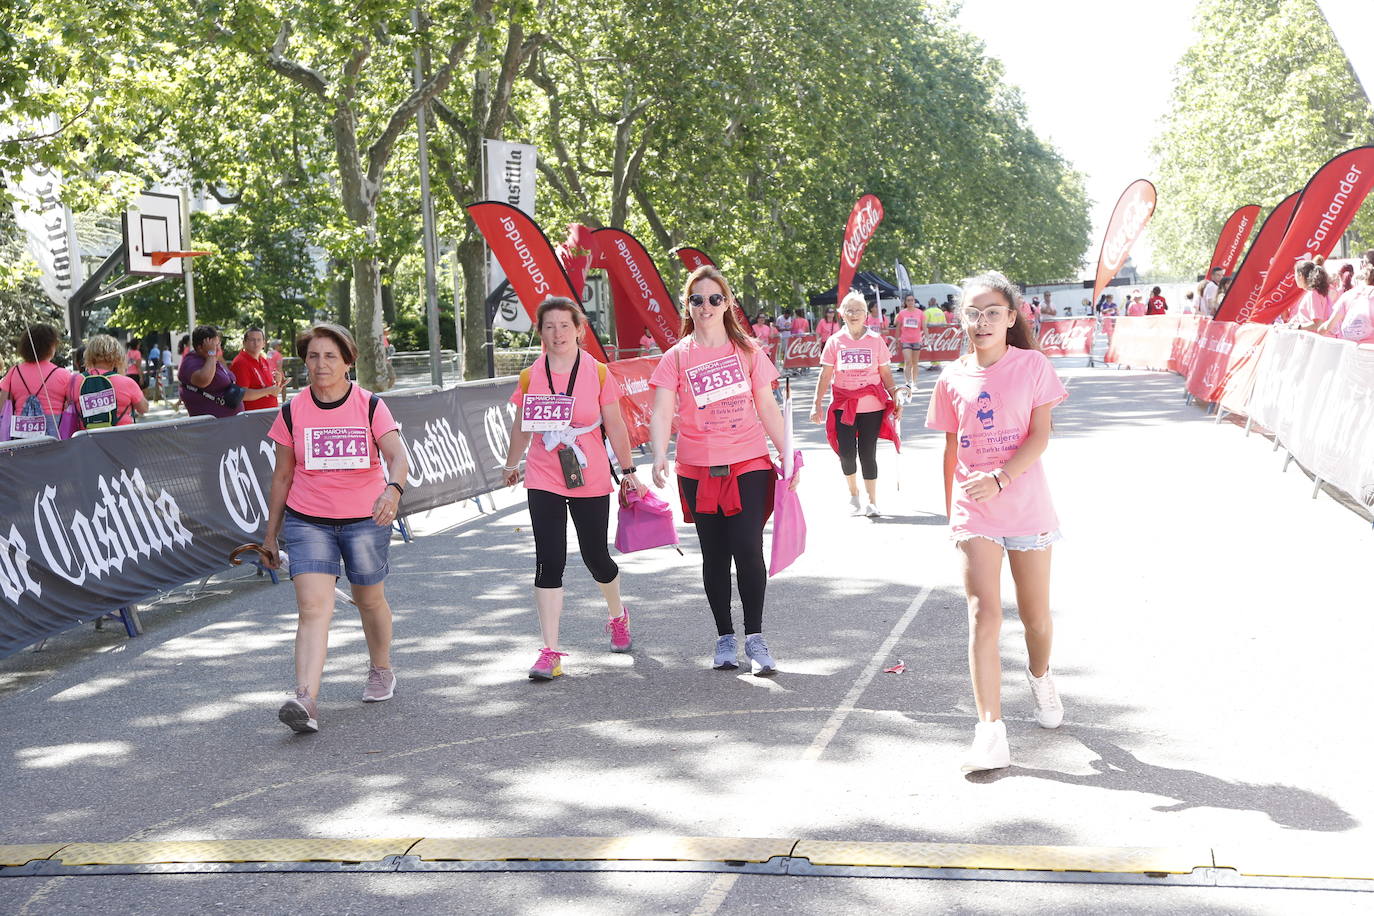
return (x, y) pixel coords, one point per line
(333, 508)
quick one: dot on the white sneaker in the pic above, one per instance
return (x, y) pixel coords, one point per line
(855, 504)
(1049, 710)
(989, 750)
(871, 510)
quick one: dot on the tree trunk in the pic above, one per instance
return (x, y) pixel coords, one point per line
(374, 369)
(340, 292)
(471, 254)
(388, 297)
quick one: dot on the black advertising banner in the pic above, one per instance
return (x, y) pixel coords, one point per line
(90, 525)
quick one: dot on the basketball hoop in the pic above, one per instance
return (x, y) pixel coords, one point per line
(162, 257)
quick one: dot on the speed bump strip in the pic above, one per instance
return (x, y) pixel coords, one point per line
(626, 848)
(1116, 860)
(1318, 861)
(27, 852)
(194, 851)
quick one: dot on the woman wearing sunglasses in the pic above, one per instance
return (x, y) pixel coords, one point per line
(717, 382)
(994, 406)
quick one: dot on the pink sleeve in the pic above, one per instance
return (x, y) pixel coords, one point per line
(517, 397)
(610, 390)
(762, 372)
(940, 413)
(1048, 388)
(382, 421)
(666, 372)
(278, 433)
(828, 353)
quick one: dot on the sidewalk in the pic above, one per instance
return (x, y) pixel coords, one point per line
(1208, 642)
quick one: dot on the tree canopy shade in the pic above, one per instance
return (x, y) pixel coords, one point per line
(748, 129)
(1261, 101)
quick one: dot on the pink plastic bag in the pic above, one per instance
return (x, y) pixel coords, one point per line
(5, 413)
(70, 420)
(789, 524)
(644, 522)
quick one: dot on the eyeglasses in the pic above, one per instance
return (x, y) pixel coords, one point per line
(993, 313)
(697, 300)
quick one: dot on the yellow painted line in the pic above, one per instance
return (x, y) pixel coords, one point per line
(25, 853)
(1312, 860)
(191, 851)
(603, 849)
(1117, 860)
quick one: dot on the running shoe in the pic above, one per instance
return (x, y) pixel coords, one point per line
(299, 713)
(757, 649)
(1049, 709)
(989, 750)
(727, 653)
(856, 504)
(619, 628)
(381, 684)
(871, 510)
(548, 666)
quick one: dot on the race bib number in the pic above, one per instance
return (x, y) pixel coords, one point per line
(855, 358)
(1356, 328)
(542, 413)
(339, 448)
(717, 380)
(28, 427)
(911, 323)
(97, 402)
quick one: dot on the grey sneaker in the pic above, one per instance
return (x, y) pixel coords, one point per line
(757, 649)
(381, 684)
(299, 713)
(727, 652)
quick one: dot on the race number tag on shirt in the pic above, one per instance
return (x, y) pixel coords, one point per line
(855, 358)
(96, 402)
(717, 380)
(22, 427)
(542, 413)
(337, 448)
(911, 322)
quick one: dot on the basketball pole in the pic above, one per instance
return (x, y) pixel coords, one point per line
(188, 264)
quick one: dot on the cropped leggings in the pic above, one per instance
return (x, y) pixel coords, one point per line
(739, 538)
(861, 438)
(549, 518)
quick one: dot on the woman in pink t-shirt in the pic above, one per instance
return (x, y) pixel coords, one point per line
(1352, 317)
(994, 407)
(331, 501)
(828, 326)
(568, 398)
(876, 320)
(1314, 308)
(718, 383)
(862, 407)
(103, 357)
(36, 375)
(911, 322)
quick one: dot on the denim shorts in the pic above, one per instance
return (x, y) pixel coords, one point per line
(914, 345)
(1015, 542)
(318, 548)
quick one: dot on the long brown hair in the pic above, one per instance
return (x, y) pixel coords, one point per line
(737, 334)
(1019, 332)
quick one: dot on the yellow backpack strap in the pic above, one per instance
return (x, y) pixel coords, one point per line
(525, 380)
(600, 376)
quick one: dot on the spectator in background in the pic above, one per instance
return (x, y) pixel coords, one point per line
(1209, 292)
(1156, 305)
(827, 326)
(1314, 308)
(1352, 317)
(646, 343)
(36, 375)
(134, 369)
(1046, 308)
(1109, 305)
(800, 323)
(79, 359)
(1188, 307)
(274, 355)
(165, 371)
(262, 387)
(1135, 306)
(935, 318)
(875, 321)
(1345, 280)
(103, 358)
(207, 385)
(155, 369)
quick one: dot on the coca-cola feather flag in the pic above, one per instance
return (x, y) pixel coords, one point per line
(1233, 237)
(1133, 211)
(531, 264)
(1254, 267)
(863, 222)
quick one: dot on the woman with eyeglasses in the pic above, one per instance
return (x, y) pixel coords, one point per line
(994, 406)
(717, 381)
(862, 406)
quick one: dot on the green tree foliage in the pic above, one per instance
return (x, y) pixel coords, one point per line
(1261, 100)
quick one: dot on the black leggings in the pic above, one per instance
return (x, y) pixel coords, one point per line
(738, 537)
(861, 437)
(549, 518)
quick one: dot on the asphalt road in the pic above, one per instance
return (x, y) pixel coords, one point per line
(1212, 637)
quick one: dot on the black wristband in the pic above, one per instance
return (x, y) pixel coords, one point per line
(629, 470)
(399, 489)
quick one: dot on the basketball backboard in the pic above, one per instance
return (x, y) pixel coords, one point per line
(153, 224)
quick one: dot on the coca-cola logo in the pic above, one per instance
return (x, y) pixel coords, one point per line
(863, 223)
(807, 346)
(1133, 219)
(1070, 340)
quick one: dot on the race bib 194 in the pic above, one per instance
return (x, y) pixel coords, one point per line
(541, 413)
(28, 427)
(717, 380)
(97, 402)
(855, 358)
(337, 448)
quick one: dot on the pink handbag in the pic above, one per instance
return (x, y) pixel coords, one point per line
(789, 524)
(5, 413)
(644, 522)
(70, 420)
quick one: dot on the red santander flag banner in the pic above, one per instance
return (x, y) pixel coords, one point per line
(692, 258)
(637, 278)
(1328, 204)
(1133, 211)
(863, 222)
(530, 263)
(1233, 237)
(1250, 276)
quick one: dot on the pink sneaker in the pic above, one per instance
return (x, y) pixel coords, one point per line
(548, 666)
(381, 684)
(619, 628)
(299, 713)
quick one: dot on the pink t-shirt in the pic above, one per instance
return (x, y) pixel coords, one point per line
(1353, 315)
(542, 470)
(717, 420)
(990, 412)
(52, 384)
(801, 326)
(826, 329)
(875, 322)
(856, 364)
(1312, 307)
(1135, 309)
(126, 392)
(338, 472)
(912, 322)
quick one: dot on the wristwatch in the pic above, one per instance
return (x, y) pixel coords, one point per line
(629, 470)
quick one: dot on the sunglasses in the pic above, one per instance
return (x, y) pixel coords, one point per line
(994, 314)
(697, 300)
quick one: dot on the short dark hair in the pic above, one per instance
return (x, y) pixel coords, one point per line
(203, 333)
(1215, 269)
(38, 343)
(255, 328)
(337, 333)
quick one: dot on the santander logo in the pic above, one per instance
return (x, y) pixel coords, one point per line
(866, 221)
